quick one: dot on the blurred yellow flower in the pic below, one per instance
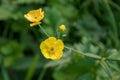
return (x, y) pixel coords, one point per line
(35, 16)
(52, 48)
(62, 28)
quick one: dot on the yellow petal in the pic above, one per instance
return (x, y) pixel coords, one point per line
(35, 15)
(34, 24)
(45, 53)
(56, 55)
(60, 44)
(43, 45)
(52, 48)
(50, 41)
(28, 17)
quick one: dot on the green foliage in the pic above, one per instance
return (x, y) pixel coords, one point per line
(11, 52)
(92, 33)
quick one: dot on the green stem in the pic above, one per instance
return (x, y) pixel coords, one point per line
(4, 71)
(58, 34)
(5, 74)
(44, 31)
(85, 54)
(106, 69)
(112, 59)
(42, 74)
(113, 23)
(115, 5)
(91, 55)
(113, 67)
(32, 68)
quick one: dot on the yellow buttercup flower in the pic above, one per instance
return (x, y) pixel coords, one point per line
(62, 28)
(52, 48)
(35, 16)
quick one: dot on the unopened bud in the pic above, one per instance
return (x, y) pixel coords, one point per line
(62, 28)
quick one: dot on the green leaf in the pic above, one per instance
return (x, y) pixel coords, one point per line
(12, 51)
(59, 75)
(5, 13)
(32, 68)
(114, 54)
(29, 1)
(8, 61)
(24, 63)
(11, 47)
(53, 16)
(86, 76)
(5, 74)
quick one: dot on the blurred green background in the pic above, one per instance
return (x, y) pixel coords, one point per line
(93, 26)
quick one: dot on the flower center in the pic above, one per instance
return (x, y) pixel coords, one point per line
(51, 49)
(35, 17)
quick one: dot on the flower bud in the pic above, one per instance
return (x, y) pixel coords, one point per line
(62, 28)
